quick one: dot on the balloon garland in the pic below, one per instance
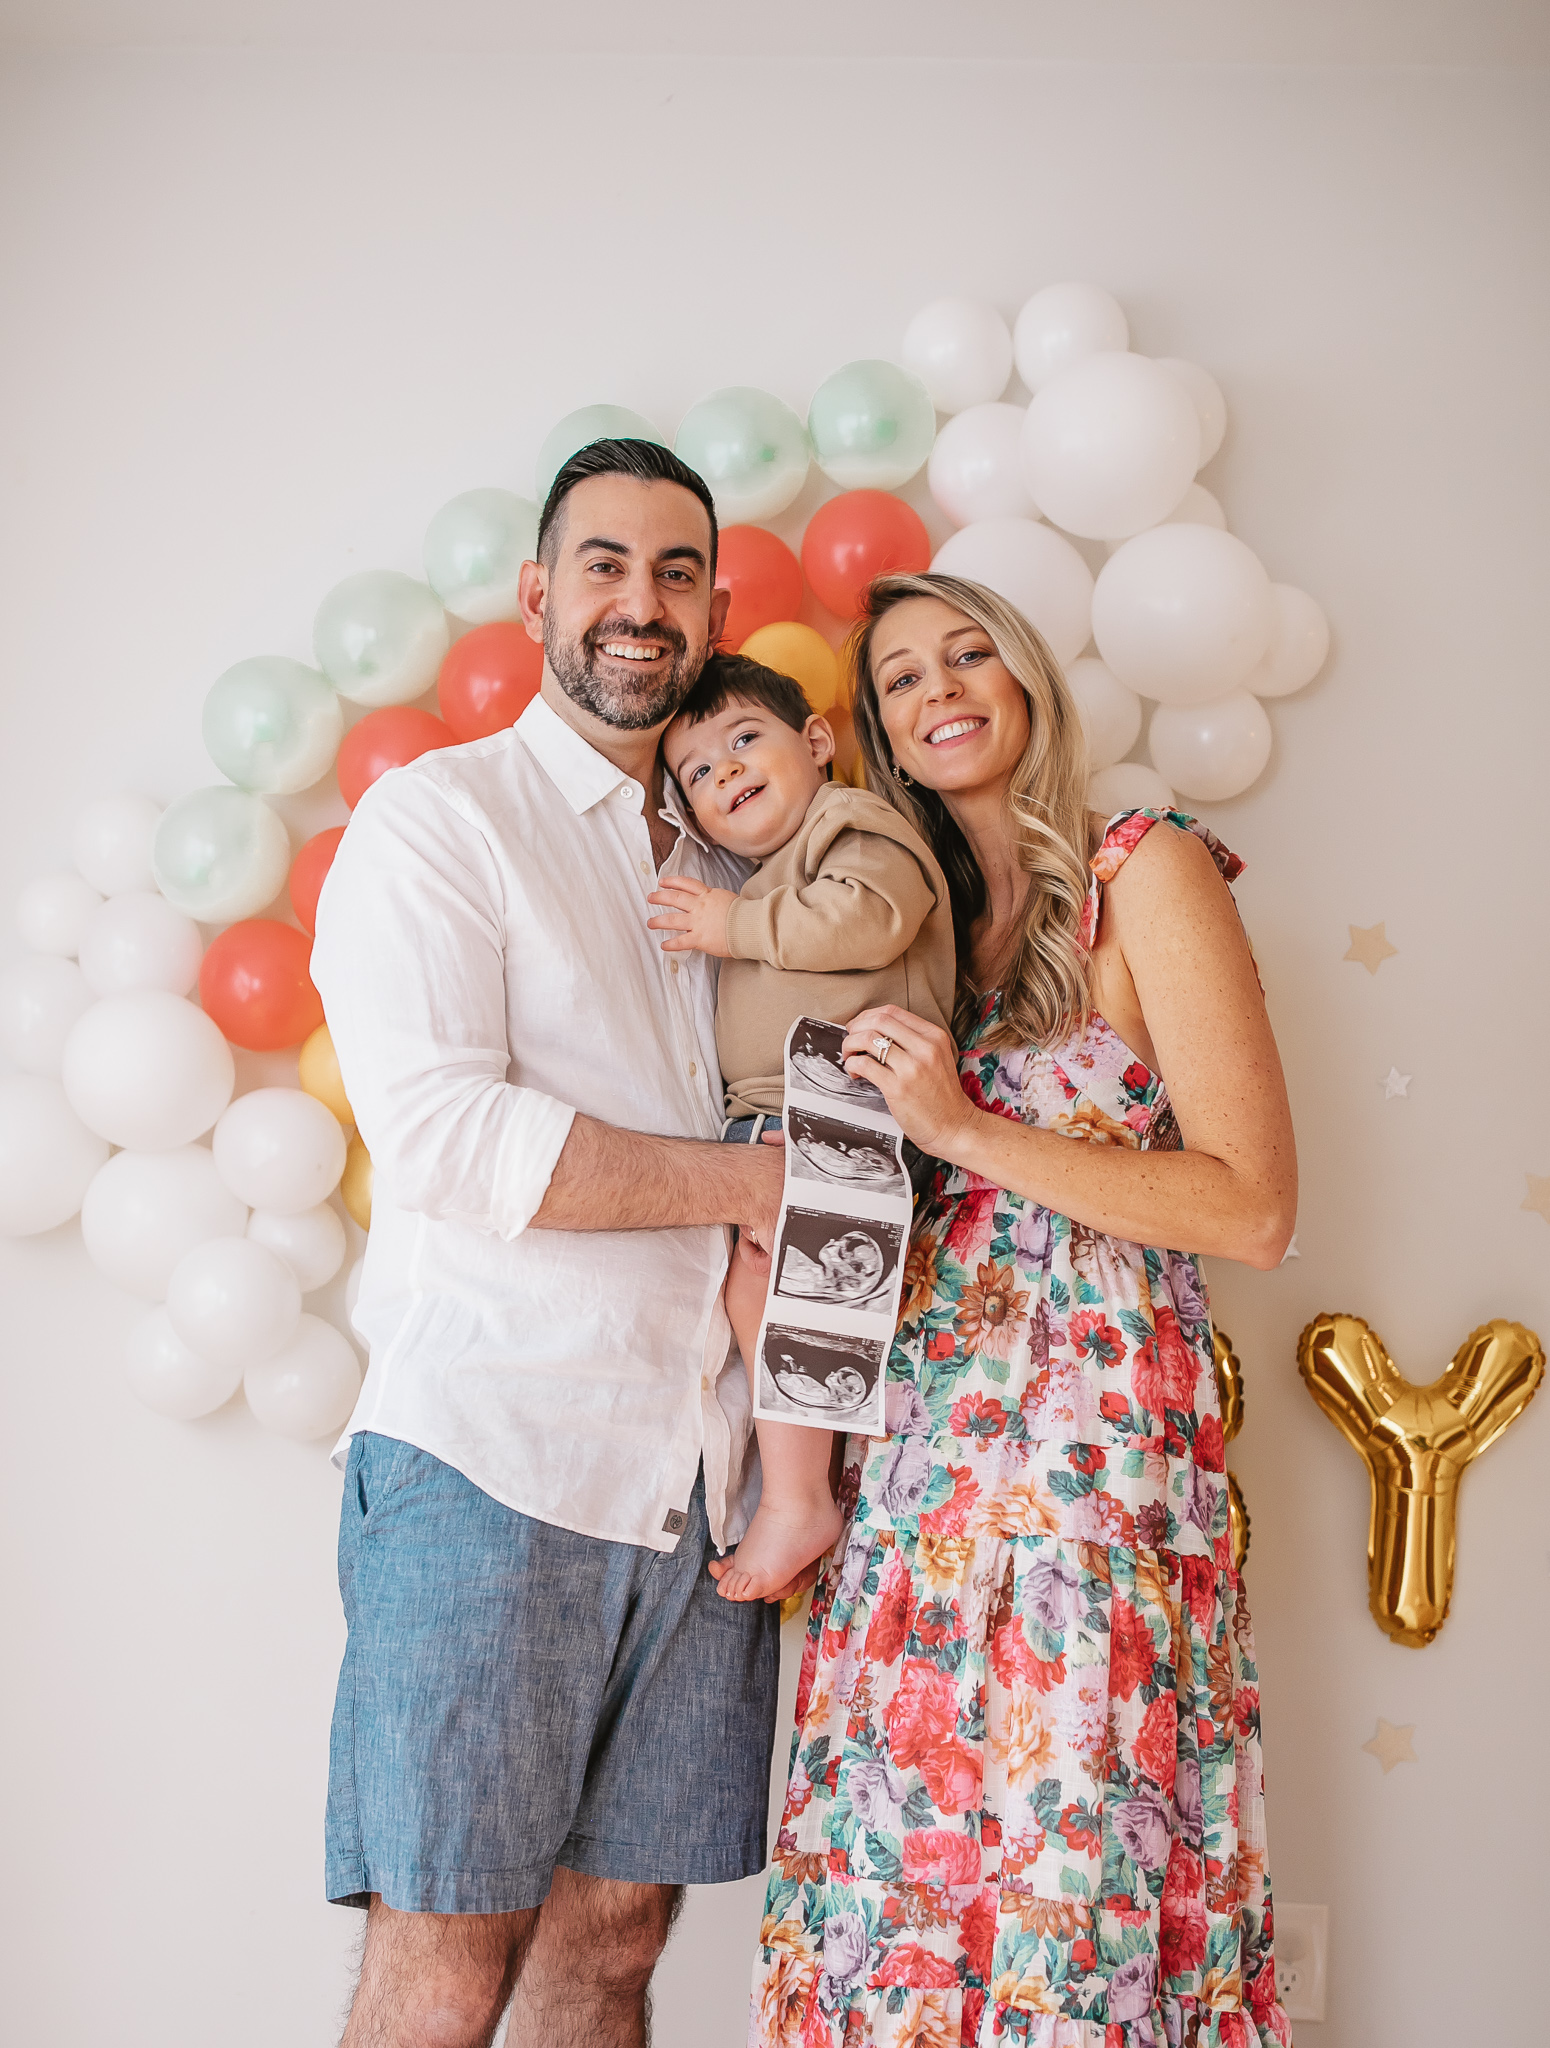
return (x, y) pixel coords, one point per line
(124, 1072)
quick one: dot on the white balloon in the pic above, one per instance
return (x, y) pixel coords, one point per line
(976, 466)
(1110, 713)
(1128, 786)
(168, 1377)
(1197, 507)
(1060, 325)
(51, 910)
(352, 1287)
(1110, 446)
(961, 350)
(280, 1149)
(1032, 567)
(1211, 751)
(1299, 644)
(146, 1211)
(1182, 613)
(47, 1156)
(1206, 396)
(308, 1389)
(147, 1070)
(474, 551)
(233, 1302)
(110, 842)
(140, 941)
(311, 1242)
(41, 1001)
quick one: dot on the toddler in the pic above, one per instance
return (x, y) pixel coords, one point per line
(846, 908)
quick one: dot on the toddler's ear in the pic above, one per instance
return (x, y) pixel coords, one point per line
(819, 735)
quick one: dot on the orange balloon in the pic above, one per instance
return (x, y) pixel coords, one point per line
(488, 679)
(764, 577)
(308, 871)
(386, 739)
(801, 653)
(255, 984)
(856, 536)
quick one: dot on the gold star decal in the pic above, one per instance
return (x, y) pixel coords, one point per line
(1371, 946)
(1538, 1196)
(1391, 1746)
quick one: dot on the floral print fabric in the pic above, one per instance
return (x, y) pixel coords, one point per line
(1025, 1803)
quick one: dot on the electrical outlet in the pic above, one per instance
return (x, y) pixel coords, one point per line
(1302, 1955)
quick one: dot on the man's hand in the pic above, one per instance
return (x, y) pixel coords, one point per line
(694, 915)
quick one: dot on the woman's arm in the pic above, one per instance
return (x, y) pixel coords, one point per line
(1232, 1192)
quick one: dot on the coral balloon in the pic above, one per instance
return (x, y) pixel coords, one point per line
(383, 740)
(355, 1185)
(255, 983)
(308, 871)
(488, 680)
(798, 652)
(856, 536)
(764, 577)
(318, 1072)
(48, 1157)
(1416, 1442)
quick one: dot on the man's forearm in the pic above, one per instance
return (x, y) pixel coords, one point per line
(608, 1179)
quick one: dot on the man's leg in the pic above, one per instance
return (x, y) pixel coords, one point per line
(435, 1980)
(586, 1974)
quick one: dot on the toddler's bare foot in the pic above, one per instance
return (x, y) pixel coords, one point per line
(780, 1540)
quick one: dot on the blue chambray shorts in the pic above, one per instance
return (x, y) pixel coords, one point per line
(514, 1696)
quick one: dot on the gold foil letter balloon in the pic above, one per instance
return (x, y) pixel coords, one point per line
(1416, 1441)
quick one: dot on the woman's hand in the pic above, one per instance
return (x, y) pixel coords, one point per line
(694, 914)
(919, 1078)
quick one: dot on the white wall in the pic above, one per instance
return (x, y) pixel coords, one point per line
(266, 311)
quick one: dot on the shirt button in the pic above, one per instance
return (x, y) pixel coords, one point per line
(645, 867)
(672, 966)
(693, 1070)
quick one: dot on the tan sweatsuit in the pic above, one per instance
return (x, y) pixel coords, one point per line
(852, 911)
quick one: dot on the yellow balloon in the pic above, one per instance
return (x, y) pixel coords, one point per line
(1229, 1394)
(1416, 1442)
(797, 651)
(355, 1186)
(320, 1075)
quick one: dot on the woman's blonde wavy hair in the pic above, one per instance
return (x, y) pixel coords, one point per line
(1045, 989)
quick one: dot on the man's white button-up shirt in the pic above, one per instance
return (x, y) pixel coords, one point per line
(486, 970)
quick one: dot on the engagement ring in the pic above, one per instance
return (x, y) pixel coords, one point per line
(882, 1047)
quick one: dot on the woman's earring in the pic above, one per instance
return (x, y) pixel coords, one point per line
(900, 776)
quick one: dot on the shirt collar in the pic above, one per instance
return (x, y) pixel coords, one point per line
(581, 774)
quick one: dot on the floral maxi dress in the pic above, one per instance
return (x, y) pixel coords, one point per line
(1026, 1800)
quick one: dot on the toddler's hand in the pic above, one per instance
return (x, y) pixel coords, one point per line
(693, 914)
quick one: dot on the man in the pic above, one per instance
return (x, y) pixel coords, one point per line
(548, 1721)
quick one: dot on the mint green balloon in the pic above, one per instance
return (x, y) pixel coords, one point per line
(273, 725)
(380, 638)
(220, 854)
(474, 551)
(751, 449)
(579, 430)
(872, 425)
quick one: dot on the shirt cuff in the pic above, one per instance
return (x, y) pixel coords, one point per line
(748, 919)
(534, 1139)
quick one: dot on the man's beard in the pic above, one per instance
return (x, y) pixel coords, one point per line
(651, 700)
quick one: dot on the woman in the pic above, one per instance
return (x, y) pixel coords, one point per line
(1025, 1804)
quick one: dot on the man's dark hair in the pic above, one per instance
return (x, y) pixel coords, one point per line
(648, 461)
(734, 679)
